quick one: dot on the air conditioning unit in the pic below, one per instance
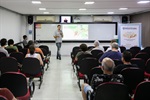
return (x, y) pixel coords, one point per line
(45, 18)
(102, 18)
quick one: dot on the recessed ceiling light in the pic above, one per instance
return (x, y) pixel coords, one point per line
(142, 2)
(82, 9)
(110, 12)
(89, 3)
(123, 8)
(46, 12)
(36, 2)
(42, 8)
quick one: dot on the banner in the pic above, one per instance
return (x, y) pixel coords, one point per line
(130, 35)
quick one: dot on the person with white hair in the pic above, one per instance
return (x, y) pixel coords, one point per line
(97, 46)
(97, 79)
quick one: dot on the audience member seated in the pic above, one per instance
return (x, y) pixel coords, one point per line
(37, 50)
(113, 54)
(2, 48)
(25, 38)
(112, 41)
(11, 45)
(33, 54)
(107, 76)
(7, 94)
(126, 58)
(84, 49)
(97, 46)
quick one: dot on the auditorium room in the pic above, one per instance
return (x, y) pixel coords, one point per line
(74, 49)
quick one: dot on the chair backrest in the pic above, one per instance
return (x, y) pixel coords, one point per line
(44, 51)
(8, 64)
(105, 47)
(134, 50)
(122, 48)
(99, 55)
(142, 55)
(142, 91)
(95, 70)
(24, 51)
(132, 77)
(19, 48)
(31, 66)
(139, 62)
(90, 47)
(3, 98)
(2, 55)
(112, 91)
(84, 55)
(117, 62)
(87, 64)
(147, 50)
(10, 50)
(96, 52)
(75, 48)
(45, 47)
(147, 66)
(18, 55)
(15, 82)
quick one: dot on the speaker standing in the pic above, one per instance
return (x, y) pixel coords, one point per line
(58, 35)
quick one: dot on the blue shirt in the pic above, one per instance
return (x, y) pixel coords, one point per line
(112, 55)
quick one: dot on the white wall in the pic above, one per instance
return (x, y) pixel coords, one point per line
(12, 25)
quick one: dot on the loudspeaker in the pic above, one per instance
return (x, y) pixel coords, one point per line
(124, 19)
(30, 19)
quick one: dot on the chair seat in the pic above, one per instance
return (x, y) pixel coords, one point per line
(36, 75)
(81, 75)
(26, 97)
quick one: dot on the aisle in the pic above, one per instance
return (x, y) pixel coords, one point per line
(59, 82)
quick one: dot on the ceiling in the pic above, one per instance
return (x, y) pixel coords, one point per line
(63, 7)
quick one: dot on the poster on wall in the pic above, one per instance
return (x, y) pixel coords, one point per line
(130, 35)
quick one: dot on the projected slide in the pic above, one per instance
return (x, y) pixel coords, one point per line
(93, 31)
(75, 31)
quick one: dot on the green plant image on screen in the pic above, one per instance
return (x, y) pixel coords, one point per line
(74, 31)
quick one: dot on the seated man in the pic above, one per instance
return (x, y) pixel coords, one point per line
(109, 48)
(126, 58)
(113, 54)
(84, 49)
(107, 76)
(11, 45)
(2, 48)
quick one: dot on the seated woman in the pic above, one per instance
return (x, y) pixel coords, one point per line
(7, 94)
(37, 50)
(34, 55)
(11, 45)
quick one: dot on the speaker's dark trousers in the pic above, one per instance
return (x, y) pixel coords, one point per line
(58, 50)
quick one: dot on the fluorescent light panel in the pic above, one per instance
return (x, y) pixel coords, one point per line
(89, 3)
(82, 9)
(123, 8)
(36, 2)
(46, 12)
(142, 2)
(110, 12)
(42, 8)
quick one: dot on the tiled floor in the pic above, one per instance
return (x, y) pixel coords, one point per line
(59, 82)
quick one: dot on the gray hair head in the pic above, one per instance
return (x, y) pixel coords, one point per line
(115, 45)
(108, 64)
(96, 43)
